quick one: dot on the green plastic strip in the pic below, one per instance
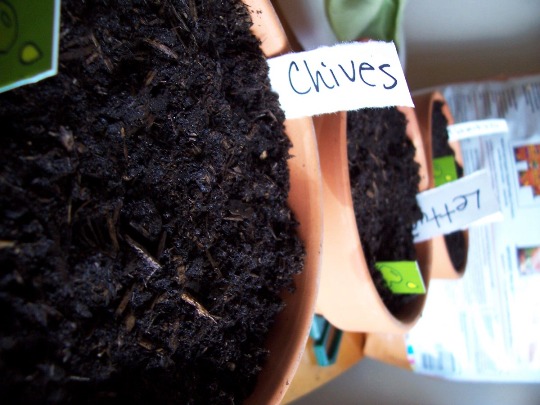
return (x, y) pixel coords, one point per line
(29, 35)
(402, 277)
(444, 170)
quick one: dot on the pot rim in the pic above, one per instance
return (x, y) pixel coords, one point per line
(442, 267)
(348, 297)
(289, 334)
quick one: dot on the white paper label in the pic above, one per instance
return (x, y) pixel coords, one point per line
(455, 205)
(470, 129)
(343, 77)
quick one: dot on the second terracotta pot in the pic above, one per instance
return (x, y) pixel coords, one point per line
(348, 297)
(442, 265)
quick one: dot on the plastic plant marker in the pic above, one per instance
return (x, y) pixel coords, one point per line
(29, 35)
(326, 345)
(472, 129)
(317, 327)
(444, 170)
(402, 277)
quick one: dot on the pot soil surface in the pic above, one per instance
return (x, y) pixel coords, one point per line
(455, 241)
(384, 183)
(144, 231)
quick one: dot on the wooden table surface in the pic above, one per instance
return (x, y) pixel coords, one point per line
(310, 375)
(388, 348)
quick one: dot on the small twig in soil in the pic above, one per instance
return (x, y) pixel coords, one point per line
(6, 244)
(111, 222)
(162, 48)
(173, 341)
(124, 302)
(179, 18)
(378, 161)
(66, 137)
(157, 300)
(198, 307)
(181, 272)
(193, 10)
(161, 244)
(149, 78)
(268, 113)
(130, 322)
(78, 378)
(106, 61)
(145, 344)
(272, 233)
(69, 207)
(211, 259)
(90, 234)
(123, 135)
(213, 263)
(252, 131)
(233, 219)
(145, 256)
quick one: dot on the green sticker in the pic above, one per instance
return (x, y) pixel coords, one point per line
(402, 277)
(29, 32)
(444, 170)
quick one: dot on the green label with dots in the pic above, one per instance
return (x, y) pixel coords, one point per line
(402, 277)
(444, 170)
(29, 35)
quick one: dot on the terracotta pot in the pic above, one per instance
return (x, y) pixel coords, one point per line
(441, 265)
(348, 297)
(290, 332)
(388, 348)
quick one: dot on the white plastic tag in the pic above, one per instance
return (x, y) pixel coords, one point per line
(456, 205)
(343, 77)
(470, 129)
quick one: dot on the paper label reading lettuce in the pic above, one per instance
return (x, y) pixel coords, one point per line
(343, 77)
(455, 205)
(28, 41)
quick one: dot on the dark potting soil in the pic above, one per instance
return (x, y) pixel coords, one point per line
(384, 183)
(144, 231)
(455, 241)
